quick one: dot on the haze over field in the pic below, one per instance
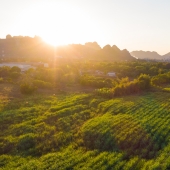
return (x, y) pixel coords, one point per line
(133, 25)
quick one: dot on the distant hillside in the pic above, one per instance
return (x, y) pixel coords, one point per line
(20, 48)
(166, 56)
(149, 55)
(146, 55)
(34, 49)
(92, 50)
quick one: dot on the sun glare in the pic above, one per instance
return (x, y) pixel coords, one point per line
(54, 41)
(56, 23)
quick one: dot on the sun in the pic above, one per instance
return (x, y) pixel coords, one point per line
(56, 23)
(60, 35)
(60, 26)
(54, 40)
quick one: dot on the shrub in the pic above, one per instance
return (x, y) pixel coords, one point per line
(161, 79)
(26, 88)
(97, 82)
(14, 75)
(26, 142)
(126, 87)
(15, 69)
(1, 80)
(4, 71)
(144, 81)
(42, 84)
(7, 144)
(97, 133)
(104, 92)
(4, 159)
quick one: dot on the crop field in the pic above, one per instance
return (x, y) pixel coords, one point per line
(85, 131)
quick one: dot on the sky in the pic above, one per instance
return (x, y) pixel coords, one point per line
(128, 24)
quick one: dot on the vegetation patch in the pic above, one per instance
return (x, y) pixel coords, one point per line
(122, 125)
(97, 134)
(118, 133)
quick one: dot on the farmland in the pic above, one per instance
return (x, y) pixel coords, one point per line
(57, 118)
(84, 85)
(85, 131)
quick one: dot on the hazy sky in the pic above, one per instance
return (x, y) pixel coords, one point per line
(130, 24)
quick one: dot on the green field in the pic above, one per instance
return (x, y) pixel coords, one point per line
(84, 131)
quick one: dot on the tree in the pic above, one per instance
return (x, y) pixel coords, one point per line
(26, 88)
(144, 81)
(4, 71)
(8, 36)
(15, 69)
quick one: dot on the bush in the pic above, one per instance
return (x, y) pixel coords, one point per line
(1, 80)
(26, 142)
(14, 75)
(161, 79)
(27, 88)
(97, 133)
(144, 81)
(4, 159)
(7, 145)
(42, 84)
(127, 87)
(4, 71)
(98, 82)
(105, 92)
(15, 69)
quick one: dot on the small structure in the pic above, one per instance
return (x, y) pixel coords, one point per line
(111, 74)
(98, 72)
(46, 65)
(88, 72)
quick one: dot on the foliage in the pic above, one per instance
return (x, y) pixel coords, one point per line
(98, 82)
(126, 87)
(108, 129)
(97, 134)
(41, 84)
(161, 79)
(26, 88)
(1, 80)
(15, 75)
(84, 131)
(4, 71)
(15, 69)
